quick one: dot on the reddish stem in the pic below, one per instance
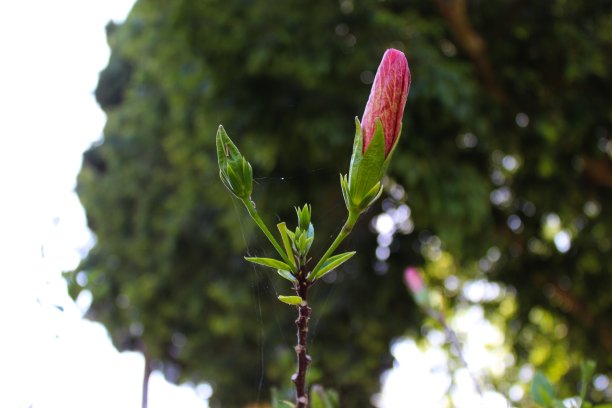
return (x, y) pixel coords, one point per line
(303, 359)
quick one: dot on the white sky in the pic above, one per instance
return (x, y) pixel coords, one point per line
(51, 54)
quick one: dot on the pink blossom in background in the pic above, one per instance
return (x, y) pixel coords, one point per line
(413, 279)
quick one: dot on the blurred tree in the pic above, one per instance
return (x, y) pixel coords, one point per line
(504, 172)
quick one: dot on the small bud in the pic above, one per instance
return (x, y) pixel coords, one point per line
(303, 215)
(235, 171)
(304, 233)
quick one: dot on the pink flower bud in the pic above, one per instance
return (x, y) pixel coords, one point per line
(387, 99)
(413, 280)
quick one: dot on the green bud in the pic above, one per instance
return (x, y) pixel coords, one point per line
(235, 171)
(303, 215)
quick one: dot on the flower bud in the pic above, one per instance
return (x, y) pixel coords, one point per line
(235, 171)
(377, 136)
(387, 99)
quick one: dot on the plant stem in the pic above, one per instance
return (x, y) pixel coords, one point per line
(344, 232)
(145, 379)
(262, 226)
(454, 341)
(303, 359)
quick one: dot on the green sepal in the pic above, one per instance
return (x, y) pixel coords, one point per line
(366, 169)
(282, 228)
(542, 390)
(357, 155)
(269, 262)
(388, 159)
(332, 263)
(247, 176)
(287, 275)
(290, 300)
(373, 194)
(235, 171)
(345, 189)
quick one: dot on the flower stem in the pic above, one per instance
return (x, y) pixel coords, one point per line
(262, 226)
(344, 232)
(303, 359)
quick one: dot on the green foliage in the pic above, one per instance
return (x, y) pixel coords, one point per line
(542, 390)
(494, 184)
(543, 394)
(332, 263)
(319, 398)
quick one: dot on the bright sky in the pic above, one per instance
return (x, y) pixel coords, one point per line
(52, 52)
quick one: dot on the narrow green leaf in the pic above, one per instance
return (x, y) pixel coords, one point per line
(357, 155)
(282, 228)
(290, 300)
(542, 390)
(332, 263)
(373, 194)
(269, 262)
(587, 368)
(287, 275)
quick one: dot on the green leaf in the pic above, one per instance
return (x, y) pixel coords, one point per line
(332, 263)
(542, 390)
(603, 406)
(287, 275)
(587, 368)
(282, 228)
(269, 262)
(290, 300)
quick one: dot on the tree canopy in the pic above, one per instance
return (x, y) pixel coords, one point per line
(503, 174)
